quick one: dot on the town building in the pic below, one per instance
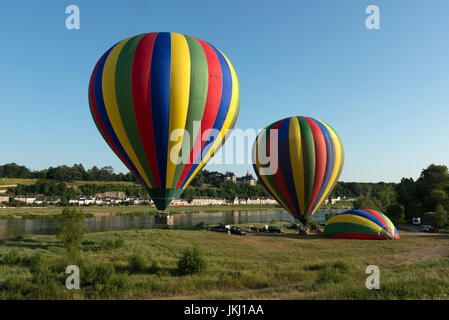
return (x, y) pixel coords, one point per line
(247, 179)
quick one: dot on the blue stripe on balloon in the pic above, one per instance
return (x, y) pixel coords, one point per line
(330, 159)
(160, 99)
(369, 216)
(285, 163)
(222, 112)
(98, 96)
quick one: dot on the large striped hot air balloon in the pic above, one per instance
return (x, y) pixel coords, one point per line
(308, 159)
(164, 103)
(361, 224)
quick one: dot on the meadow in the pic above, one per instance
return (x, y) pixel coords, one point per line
(143, 264)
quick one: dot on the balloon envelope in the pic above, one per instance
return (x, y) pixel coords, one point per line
(163, 102)
(308, 157)
(361, 224)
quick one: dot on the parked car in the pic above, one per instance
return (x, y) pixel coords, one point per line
(254, 228)
(434, 230)
(416, 221)
(293, 226)
(425, 228)
(238, 231)
(220, 228)
(274, 229)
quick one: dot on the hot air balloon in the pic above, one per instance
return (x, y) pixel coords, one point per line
(164, 103)
(305, 160)
(361, 224)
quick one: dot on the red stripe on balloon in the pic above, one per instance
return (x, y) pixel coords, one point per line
(141, 92)
(378, 216)
(97, 118)
(211, 107)
(278, 178)
(320, 160)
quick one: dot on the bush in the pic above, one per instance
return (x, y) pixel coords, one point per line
(71, 228)
(111, 244)
(192, 262)
(438, 219)
(12, 257)
(101, 281)
(137, 262)
(200, 225)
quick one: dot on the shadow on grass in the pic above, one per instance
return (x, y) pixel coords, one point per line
(149, 270)
(291, 236)
(30, 243)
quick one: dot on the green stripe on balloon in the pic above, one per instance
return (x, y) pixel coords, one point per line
(346, 227)
(123, 86)
(199, 81)
(308, 152)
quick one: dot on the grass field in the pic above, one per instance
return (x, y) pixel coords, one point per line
(143, 265)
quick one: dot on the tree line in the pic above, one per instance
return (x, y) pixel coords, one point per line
(65, 173)
(426, 198)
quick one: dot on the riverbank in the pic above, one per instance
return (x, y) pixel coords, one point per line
(39, 212)
(256, 266)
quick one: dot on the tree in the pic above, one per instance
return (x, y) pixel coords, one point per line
(396, 212)
(414, 210)
(434, 177)
(366, 202)
(71, 229)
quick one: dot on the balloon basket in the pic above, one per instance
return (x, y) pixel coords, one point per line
(163, 217)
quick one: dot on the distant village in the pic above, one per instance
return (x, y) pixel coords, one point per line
(112, 198)
(120, 198)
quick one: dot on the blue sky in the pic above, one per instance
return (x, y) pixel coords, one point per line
(386, 92)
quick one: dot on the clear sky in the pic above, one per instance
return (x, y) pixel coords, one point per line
(386, 92)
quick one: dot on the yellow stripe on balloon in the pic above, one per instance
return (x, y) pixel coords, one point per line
(110, 102)
(337, 162)
(389, 223)
(263, 177)
(349, 218)
(227, 123)
(179, 99)
(297, 160)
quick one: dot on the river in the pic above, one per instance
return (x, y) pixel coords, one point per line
(17, 227)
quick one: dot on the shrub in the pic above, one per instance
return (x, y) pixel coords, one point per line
(12, 257)
(101, 281)
(200, 225)
(137, 262)
(111, 244)
(192, 262)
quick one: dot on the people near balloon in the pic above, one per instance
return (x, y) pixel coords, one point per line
(299, 161)
(361, 224)
(165, 103)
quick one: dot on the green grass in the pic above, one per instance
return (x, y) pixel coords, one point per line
(143, 264)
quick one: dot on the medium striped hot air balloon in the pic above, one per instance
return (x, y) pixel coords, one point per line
(156, 98)
(361, 224)
(308, 157)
